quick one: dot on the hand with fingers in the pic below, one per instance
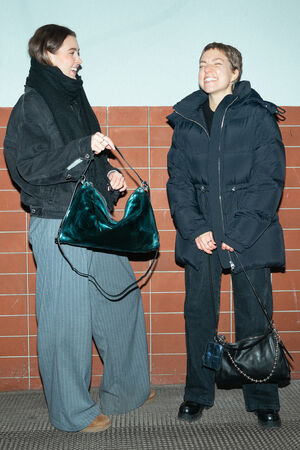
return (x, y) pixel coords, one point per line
(206, 242)
(117, 181)
(100, 142)
(226, 247)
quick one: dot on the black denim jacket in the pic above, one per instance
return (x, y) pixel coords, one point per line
(40, 164)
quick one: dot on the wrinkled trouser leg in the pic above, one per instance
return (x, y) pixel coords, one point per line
(64, 328)
(251, 321)
(200, 327)
(120, 336)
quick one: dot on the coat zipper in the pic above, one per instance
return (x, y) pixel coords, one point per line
(191, 120)
(232, 265)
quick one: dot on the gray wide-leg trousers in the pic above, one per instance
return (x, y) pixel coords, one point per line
(70, 312)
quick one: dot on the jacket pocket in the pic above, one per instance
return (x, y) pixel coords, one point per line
(48, 194)
(233, 201)
(202, 199)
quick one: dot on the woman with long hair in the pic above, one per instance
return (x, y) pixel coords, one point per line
(52, 136)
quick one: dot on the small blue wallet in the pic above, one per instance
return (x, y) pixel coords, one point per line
(213, 355)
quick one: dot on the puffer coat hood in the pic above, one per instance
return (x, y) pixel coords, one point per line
(229, 181)
(243, 92)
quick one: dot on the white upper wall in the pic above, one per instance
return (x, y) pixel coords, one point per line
(146, 52)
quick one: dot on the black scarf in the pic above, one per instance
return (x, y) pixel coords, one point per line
(72, 113)
(66, 99)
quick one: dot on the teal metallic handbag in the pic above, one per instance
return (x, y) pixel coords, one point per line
(88, 223)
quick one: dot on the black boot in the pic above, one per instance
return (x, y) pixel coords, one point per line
(268, 418)
(190, 411)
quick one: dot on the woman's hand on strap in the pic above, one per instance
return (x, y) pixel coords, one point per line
(117, 181)
(206, 242)
(100, 142)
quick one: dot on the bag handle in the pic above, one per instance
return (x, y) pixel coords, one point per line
(143, 183)
(271, 322)
(82, 178)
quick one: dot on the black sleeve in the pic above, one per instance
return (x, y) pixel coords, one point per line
(263, 194)
(188, 218)
(31, 148)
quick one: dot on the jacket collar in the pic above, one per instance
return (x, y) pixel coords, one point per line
(191, 105)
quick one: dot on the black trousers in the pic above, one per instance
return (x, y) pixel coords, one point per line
(200, 326)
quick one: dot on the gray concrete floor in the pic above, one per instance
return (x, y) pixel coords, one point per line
(24, 424)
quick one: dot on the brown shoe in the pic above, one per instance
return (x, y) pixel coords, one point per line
(100, 423)
(151, 397)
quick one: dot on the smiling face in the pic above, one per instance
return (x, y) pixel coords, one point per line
(67, 57)
(215, 74)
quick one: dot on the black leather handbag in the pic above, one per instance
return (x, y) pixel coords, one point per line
(258, 359)
(88, 223)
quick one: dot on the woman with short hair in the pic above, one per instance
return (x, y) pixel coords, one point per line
(226, 167)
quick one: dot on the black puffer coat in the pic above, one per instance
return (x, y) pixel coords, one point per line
(230, 182)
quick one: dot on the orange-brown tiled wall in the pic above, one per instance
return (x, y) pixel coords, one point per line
(144, 138)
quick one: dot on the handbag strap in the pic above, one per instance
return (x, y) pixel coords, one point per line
(141, 180)
(92, 279)
(271, 323)
(82, 177)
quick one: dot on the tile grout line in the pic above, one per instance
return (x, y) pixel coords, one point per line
(231, 310)
(150, 281)
(157, 126)
(28, 302)
(156, 333)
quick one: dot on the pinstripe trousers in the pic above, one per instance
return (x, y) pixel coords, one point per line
(70, 313)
